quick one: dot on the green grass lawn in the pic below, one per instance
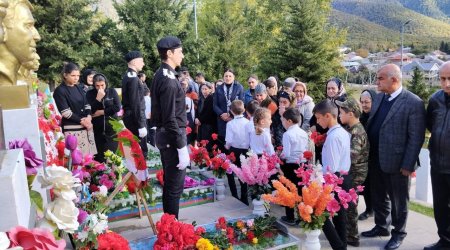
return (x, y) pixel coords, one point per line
(416, 207)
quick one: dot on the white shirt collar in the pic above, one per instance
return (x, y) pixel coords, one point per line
(238, 116)
(396, 93)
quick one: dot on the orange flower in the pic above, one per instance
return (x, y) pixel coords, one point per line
(286, 194)
(324, 198)
(240, 224)
(305, 212)
(311, 193)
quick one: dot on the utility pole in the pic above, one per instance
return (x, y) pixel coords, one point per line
(401, 52)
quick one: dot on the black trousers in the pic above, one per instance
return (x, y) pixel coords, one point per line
(335, 229)
(103, 143)
(288, 171)
(367, 194)
(390, 196)
(231, 183)
(441, 204)
(173, 177)
(134, 128)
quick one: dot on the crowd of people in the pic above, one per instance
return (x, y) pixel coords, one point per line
(375, 139)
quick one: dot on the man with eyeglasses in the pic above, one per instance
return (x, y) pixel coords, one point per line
(438, 123)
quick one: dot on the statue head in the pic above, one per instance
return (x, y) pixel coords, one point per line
(20, 35)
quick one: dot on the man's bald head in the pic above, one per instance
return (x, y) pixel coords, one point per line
(389, 78)
(444, 77)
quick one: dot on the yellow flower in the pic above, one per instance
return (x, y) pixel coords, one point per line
(255, 240)
(216, 247)
(204, 244)
(230, 248)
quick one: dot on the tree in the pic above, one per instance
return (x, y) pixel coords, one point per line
(307, 47)
(417, 85)
(66, 28)
(141, 24)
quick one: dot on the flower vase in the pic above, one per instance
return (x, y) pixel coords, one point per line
(312, 241)
(220, 189)
(258, 207)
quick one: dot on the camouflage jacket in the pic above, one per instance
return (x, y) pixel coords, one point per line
(359, 153)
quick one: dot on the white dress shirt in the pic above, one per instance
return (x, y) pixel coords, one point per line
(336, 150)
(148, 106)
(261, 143)
(295, 142)
(235, 134)
(395, 93)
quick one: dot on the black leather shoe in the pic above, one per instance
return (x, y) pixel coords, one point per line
(365, 215)
(353, 242)
(437, 246)
(376, 231)
(393, 243)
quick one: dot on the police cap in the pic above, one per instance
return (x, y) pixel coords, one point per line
(133, 55)
(169, 42)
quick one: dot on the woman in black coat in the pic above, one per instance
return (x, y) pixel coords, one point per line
(105, 103)
(206, 119)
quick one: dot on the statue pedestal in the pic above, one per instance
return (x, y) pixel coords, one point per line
(423, 178)
(14, 97)
(22, 124)
(14, 196)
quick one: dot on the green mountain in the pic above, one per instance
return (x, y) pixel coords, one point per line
(439, 9)
(377, 23)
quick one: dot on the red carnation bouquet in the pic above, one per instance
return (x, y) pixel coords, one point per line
(112, 241)
(173, 234)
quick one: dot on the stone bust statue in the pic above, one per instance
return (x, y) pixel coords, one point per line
(18, 38)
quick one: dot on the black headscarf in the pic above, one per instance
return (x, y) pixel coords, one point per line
(365, 116)
(83, 80)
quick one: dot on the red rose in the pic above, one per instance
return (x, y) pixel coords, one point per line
(250, 235)
(214, 136)
(188, 130)
(131, 186)
(307, 155)
(160, 176)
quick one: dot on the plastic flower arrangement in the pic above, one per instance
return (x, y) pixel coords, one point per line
(112, 241)
(318, 195)
(91, 227)
(220, 165)
(24, 238)
(256, 172)
(200, 155)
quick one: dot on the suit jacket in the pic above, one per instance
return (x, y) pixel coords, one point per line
(220, 103)
(402, 133)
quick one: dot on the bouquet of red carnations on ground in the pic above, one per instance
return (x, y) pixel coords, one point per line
(200, 155)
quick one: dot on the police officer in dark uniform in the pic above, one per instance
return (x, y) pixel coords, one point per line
(133, 99)
(169, 117)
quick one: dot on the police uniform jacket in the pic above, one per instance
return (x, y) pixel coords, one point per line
(133, 99)
(168, 105)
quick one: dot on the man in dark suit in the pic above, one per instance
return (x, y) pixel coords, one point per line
(439, 126)
(396, 130)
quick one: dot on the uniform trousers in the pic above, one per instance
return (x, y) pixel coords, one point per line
(173, 177)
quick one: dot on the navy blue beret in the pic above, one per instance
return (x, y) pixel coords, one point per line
(169, 42)
(133, 55)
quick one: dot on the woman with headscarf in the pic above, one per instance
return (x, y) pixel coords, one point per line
(75, 110)
(264, 99)
(105, 103)
(366, 99)
(286, 99)
(335, 90)
(86, 80)
(304, 103)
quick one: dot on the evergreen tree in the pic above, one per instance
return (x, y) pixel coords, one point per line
(307, 47)
(441, 47)
(141, 24)
(66, 28)
(418, 86)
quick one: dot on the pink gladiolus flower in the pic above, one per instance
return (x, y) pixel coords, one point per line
(71, 142)
(360, 188)
(344, 198)
(333, 207)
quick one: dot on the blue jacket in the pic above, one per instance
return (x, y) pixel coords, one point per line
(247, 97)
(220, 103)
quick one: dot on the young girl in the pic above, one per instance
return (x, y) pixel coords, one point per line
(260, 141)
